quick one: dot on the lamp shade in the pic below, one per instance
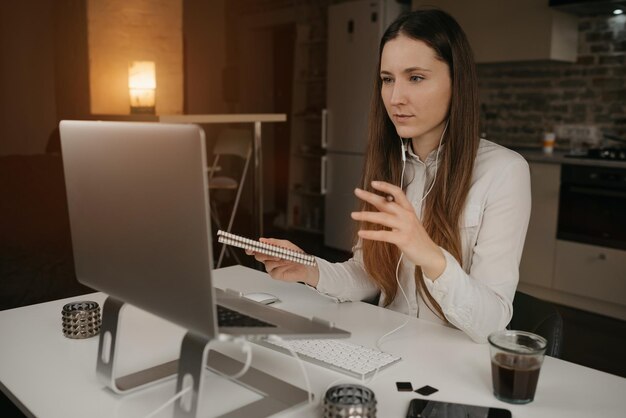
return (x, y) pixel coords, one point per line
(142, 86)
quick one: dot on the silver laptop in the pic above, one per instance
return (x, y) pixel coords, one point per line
(139, 216)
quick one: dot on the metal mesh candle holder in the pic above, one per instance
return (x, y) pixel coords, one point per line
(349, 401)
(81, 319)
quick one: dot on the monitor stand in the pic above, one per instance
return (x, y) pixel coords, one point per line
(278, 395)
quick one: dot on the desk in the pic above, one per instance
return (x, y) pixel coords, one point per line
(255, 119)
(53, 376)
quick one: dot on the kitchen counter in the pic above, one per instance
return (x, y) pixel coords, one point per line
(560, 157)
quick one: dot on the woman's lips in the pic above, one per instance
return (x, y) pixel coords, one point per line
(401, 118)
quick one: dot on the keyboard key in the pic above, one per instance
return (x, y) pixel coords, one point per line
(229, 318)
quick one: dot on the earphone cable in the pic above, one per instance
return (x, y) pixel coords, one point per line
(246, 348)
(169, 402)
(406, 298)
(379, 341)
(300, 363)
(436, 162)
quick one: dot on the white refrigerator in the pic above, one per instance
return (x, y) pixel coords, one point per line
(354, 32)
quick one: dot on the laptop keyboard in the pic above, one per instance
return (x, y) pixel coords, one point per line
(351, 359)
(229, 318)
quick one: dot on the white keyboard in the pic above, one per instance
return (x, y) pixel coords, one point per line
(351, 359)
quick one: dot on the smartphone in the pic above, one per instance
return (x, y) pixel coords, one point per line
(422, 408)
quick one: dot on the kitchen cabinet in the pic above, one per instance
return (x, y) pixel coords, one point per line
(503, 31)
(537, 265)
(583, 276)
(591, 271)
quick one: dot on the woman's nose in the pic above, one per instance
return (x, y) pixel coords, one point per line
(397, 95)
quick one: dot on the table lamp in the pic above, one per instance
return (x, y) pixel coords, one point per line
(142, 87)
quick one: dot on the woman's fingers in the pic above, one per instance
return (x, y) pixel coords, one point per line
(280, 272)
(380, 218)
(280, 243)
(378, 235)
(262, 257)
(393, 202)
(379, 202)
(395, 213)
(270, 265)
(394, 191)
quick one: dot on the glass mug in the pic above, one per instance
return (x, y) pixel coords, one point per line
(516, 358)
(548, 142)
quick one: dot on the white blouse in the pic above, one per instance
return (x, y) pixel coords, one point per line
(476, 296)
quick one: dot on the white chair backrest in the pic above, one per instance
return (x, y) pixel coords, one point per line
(234, 141)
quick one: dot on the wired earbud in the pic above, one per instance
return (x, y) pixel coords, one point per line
(403, 151)
(445, 128)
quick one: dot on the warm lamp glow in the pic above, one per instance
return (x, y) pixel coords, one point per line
(142, 86)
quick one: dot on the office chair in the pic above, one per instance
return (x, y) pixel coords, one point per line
(235, 143)
(540, 317)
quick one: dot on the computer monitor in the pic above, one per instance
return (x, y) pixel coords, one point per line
(140, 222)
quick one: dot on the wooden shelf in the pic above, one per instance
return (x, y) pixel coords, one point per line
(305, 202)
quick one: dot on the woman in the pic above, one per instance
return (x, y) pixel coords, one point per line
(444, 213)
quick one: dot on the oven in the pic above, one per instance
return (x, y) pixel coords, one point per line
(592, 206)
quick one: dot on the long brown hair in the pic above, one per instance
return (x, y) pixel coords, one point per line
(445, 203)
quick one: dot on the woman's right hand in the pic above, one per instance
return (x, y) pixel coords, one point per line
(287, 271)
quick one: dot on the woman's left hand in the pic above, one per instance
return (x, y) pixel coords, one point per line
(405, 229)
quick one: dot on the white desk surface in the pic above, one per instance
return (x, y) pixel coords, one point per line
(53, 376)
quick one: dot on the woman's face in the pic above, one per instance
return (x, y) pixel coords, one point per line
(416, 88)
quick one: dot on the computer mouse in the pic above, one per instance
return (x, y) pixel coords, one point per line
(264, 298)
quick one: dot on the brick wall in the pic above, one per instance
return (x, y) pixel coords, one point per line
(522, 100)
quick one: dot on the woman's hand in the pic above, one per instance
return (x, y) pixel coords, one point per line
(406, 230)
(287, 271)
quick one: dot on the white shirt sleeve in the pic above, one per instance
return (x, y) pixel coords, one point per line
(482, 301)
(347, 281)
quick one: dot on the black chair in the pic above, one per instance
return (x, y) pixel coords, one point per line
(540, 317)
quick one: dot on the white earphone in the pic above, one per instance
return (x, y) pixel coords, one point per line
(404, 150)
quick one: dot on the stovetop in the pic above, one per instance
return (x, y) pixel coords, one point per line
(611, 154)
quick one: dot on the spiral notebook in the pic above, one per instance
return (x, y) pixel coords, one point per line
(265, 248)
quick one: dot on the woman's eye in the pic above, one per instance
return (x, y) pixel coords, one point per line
(416, 78)
(386, 80)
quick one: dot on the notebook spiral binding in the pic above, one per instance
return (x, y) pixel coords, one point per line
(227, 238)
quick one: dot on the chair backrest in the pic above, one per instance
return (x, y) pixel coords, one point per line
(234, 141)
(231, 142)
(540, 317)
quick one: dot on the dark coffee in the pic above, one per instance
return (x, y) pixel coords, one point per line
(515, 377)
